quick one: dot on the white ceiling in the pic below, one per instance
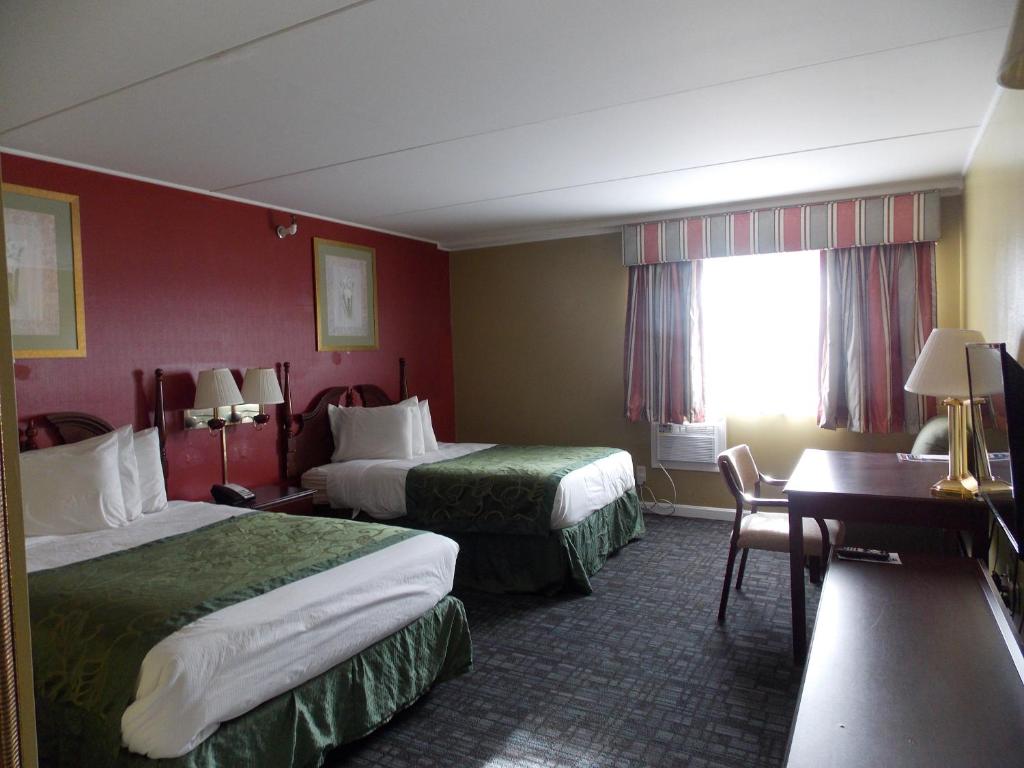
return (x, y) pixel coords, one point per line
(471, 122)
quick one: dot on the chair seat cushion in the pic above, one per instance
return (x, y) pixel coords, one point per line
(770, 530)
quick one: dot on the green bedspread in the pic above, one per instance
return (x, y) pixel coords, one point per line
(504, 489)
(93, 622)
(298, 728)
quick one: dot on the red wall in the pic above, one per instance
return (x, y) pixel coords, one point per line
(185, 281)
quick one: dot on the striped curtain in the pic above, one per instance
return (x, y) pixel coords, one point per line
(664, 359)
(877, 309)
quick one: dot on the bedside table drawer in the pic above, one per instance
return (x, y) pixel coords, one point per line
(301, 505)
(289, 499)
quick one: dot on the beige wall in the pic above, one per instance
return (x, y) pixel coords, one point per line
(994, 244)
(994, 227)
(15, 534)
(538, 347)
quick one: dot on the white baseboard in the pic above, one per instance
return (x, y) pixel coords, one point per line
(689, 510)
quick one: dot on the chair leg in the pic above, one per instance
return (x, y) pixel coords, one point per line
(815, 566)
(728, 581)
(743, 568)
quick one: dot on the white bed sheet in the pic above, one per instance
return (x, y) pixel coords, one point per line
(377, 486)
(232, 660)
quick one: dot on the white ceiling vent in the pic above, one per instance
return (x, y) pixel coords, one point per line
(688, 446)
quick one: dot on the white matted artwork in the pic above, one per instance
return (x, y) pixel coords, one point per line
(346, 296)
(44, 272)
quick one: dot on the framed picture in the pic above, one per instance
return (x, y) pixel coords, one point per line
(346, 296)
(44, 272)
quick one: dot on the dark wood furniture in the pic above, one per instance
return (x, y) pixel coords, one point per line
(307, 437)
(282, 498)
(868, 488)
(914, 666)
(68, 427)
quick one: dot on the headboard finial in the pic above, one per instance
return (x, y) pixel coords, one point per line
(287, 446)
(160, 420)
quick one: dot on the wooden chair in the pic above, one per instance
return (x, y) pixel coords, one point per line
(766, 530)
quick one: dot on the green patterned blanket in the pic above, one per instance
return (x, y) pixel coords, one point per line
(93, 622)
(504, 489)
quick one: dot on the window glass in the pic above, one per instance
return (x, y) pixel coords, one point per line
(761, 334)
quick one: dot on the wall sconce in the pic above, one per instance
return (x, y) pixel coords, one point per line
(215, 389)
(283, 232)
(260, 386)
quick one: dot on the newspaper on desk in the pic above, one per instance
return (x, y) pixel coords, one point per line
(942, 457)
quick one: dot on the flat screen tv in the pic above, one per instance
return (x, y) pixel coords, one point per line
(997, 389)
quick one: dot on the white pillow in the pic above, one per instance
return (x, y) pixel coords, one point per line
(372, 433)
(128, 467)
(151, 472)
(72, 488)
(417, 424)
(429, 440)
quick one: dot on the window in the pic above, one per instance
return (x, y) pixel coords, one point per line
(761, 317)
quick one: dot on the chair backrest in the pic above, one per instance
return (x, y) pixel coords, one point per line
(739, 471)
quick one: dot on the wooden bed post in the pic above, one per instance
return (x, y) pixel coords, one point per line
(286, 422)
(403, 383)
(30, 436)
(160, 421)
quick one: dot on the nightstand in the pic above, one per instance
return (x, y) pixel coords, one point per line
(283, 498)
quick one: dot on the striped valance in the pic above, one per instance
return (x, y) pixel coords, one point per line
(908, 218)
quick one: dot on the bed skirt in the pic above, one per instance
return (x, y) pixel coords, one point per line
(299, 728)
(564, 558)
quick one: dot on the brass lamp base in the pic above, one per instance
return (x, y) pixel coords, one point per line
(995, 487)
(959, 482)
(953, 487)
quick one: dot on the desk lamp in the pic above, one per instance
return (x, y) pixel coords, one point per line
(941, 371)
(216, 388)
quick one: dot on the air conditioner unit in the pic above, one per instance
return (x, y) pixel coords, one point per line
(688, 446)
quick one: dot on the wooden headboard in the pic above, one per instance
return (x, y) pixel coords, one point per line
(72, 426)
(307, 436)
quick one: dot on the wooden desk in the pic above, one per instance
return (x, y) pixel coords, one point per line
(868, 488)
(913, 666)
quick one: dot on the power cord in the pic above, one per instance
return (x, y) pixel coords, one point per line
(655, 504)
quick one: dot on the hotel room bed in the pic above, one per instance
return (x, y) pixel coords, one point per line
(527, 518)
(214, 636)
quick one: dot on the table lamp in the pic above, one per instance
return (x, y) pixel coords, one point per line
(941, 371)
(260, 386)
(216, 388)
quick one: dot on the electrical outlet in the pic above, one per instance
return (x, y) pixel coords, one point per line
(641, 474)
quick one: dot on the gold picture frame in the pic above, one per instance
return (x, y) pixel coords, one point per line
(44, 270)
(346, 296)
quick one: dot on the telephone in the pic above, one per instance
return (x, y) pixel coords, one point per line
(232, 494)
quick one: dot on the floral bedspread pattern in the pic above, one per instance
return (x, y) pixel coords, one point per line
(503, 489)
(94, 621)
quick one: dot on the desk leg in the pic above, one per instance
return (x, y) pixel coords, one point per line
(796, 579)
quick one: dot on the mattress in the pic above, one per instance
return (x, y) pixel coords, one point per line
(377, 486)
(232, 660)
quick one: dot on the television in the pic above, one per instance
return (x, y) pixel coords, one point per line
(997, 435)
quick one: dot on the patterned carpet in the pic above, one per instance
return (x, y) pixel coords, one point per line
(637, 674)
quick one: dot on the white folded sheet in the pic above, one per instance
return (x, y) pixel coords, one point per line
(232, 660)
(377, 486)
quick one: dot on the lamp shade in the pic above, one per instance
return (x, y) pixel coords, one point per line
(986, 368)
(1011, 69)
(260, 386)
(941, 368)
(216, 388)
